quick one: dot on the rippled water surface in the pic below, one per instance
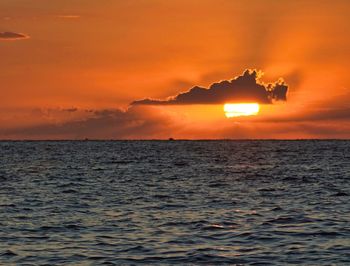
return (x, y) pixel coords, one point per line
(175, 202)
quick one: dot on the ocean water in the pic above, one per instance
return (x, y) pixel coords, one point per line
(175, 202)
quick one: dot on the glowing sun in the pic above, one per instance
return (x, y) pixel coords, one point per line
(241, 109)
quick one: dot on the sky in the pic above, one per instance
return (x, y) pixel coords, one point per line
(74, 69)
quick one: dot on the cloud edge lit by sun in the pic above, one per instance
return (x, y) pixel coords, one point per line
(246, 87)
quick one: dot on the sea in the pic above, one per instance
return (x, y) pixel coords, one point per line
(224, 202)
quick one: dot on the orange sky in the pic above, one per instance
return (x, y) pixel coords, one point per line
(81, 62)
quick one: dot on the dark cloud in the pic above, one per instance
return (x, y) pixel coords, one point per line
(134, 123)
(337, 114)
(71, 110)
(244, 88)
(11, 36)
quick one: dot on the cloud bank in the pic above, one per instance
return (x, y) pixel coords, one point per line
(133, 123)
(12, 36)
(153, 122)
(244, 88)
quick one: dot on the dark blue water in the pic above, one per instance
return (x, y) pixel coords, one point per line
(175, 202)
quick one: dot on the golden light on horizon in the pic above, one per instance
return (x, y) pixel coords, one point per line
(241, 109)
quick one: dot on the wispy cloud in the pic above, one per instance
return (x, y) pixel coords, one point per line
(12, 36)
(68, 16)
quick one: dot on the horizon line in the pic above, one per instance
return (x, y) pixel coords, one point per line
(180, 139)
